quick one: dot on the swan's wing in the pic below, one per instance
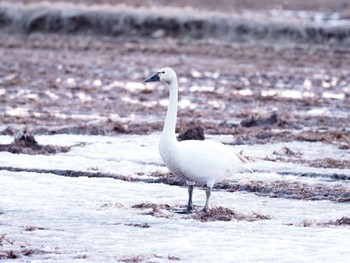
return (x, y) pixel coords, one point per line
(210, 157)
(244, 161)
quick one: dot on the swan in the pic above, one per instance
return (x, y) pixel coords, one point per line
(194, 160)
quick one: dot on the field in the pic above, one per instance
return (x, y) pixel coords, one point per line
(80, 173)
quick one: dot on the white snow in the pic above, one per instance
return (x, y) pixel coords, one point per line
(93, 218)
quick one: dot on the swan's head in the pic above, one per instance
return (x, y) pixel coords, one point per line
(167, 75)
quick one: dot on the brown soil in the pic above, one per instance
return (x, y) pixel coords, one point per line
(51, 91)
(25, 142)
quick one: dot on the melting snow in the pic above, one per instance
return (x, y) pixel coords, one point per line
(68, 219)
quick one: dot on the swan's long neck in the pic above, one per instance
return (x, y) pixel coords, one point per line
(170, 119)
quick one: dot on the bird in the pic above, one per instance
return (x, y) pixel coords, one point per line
(203, 161)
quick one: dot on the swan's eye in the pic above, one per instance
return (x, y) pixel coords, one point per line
(161, 72)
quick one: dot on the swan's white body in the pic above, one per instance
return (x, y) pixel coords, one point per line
(200, 161)
(195, 161)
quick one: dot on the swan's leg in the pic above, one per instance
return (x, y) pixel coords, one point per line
(189, 204)
(207, 192)
(189, 208)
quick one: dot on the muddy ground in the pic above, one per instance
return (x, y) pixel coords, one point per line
(258, 92)
(93, 85)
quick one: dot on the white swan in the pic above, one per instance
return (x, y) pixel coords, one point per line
(202, 161)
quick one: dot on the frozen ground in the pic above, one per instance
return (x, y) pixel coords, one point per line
(105, 196)
(45, 216)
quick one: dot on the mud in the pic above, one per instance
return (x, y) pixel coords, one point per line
(54, 91)
(256, 120)
(195, 133)
(25, 143)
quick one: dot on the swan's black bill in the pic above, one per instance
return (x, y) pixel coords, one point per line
(155, 77)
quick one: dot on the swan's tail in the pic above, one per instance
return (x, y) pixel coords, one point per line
(245, 162)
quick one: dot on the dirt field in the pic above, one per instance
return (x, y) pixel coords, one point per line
(50, 82)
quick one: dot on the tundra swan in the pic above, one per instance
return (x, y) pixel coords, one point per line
(194, 160)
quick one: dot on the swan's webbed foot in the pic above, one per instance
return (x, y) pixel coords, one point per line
(205, 210)
(184, 211)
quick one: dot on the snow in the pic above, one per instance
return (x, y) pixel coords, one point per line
(124, 154)
(93, 219)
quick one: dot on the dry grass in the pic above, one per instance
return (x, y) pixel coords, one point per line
(343, 221)
(140, 258)
(4, 239)
(17, 253)
(330, 163)
(294, 190)
(153, 209)
(225, 214)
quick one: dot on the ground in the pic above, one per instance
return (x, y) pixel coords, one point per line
(285, 106)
